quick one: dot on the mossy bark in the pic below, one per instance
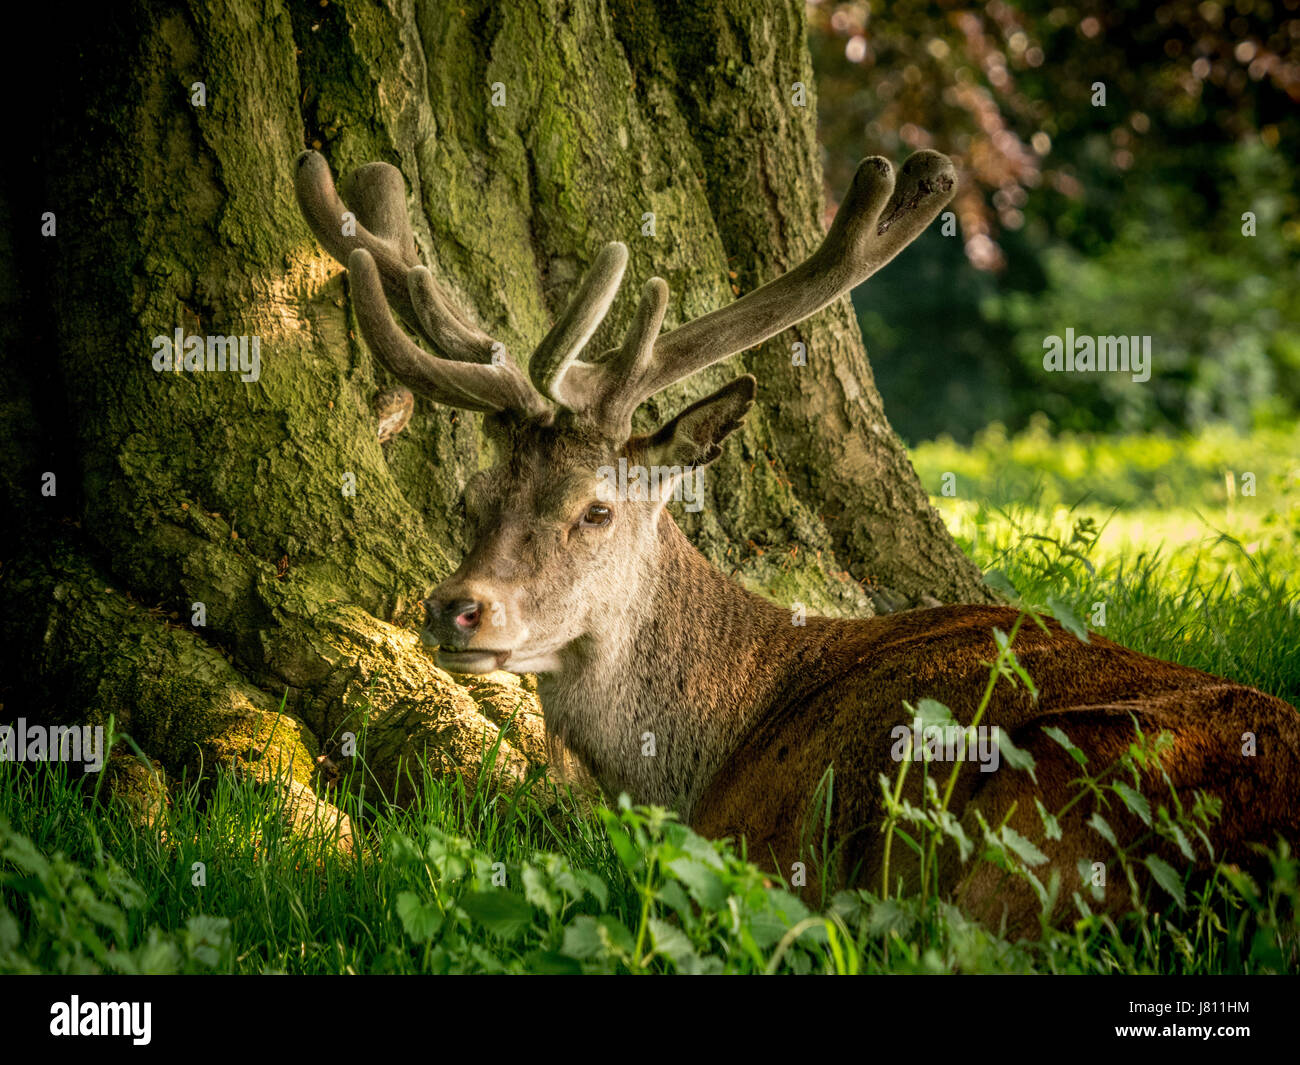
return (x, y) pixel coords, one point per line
(177, 489)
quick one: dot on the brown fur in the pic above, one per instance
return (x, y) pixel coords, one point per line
(837, 688)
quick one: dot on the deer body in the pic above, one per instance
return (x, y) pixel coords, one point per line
(748, 711)
(673, 684)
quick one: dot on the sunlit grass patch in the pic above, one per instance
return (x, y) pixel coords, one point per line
(1184, 565)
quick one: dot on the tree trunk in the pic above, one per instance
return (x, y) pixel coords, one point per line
(176, 489)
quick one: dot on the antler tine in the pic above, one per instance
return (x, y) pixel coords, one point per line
(635, 357)
(468, 385)
(559, 350)
(377, 192)
(324, 210)
(384, 268)
(625, 371)
(441, 325)
(877, 219)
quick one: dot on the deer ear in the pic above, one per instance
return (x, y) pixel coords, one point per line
(694, 437)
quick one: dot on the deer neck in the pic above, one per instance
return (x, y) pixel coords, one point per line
(669, 677)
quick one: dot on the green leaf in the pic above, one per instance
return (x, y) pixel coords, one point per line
(1103, 829)
(700, 848)
(674, 896)
(1134, 800)
(1060, 737)
(550, 963)
(1069, 620)
(1051, 826)
(1184, 845)
(420, 921)
(1014, 663)
(1167, 878)
(1015, 757)
(500, 912)
(705, 886)
(934, 713)
(628, 852)
(1085, 875)
(672, 943)
(593, 884)
(889, 916)
(1024, 849)
(564, 879)
(538, 892)
(590, 938)
(442, 855)
(1001, 583)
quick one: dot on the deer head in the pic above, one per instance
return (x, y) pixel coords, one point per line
(559, 552)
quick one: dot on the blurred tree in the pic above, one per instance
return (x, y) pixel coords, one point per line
(1199, 125)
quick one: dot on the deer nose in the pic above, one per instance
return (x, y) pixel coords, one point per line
(452, 621)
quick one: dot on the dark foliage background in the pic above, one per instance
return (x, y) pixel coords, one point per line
(1117, 219)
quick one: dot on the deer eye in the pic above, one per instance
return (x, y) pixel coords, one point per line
(596, 515)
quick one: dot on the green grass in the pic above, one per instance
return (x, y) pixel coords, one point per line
(1146, 526)
(471, 880)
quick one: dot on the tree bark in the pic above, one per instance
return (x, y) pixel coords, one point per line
(178, 489)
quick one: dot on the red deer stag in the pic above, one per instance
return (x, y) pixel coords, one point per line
(632, 632)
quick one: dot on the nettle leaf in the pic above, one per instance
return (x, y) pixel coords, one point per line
(444, 855)
(889, 916)
(1051, 826)
(766, 928)
(952, 828)
(673, 895)
(1102, 827)
(1060, 737)
(1001, 583)
(402, 850)
(591, 938)
(1070, 621)
(538, 892)
(421, 921)
(672, 943)
(1014, 663)
(934, 713)
(594, 886)
(787, 905)
(773, 913)
(1180, 838)
(487, 961)
(628, 852)
(700, 848)
(1243, 883)
(500, 912)
(565, 880)
(1044, 897)
(1023, 848)
(1134, 800)
(1016, 757)
(705, 886)
(550, 963)
(1167, 877)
